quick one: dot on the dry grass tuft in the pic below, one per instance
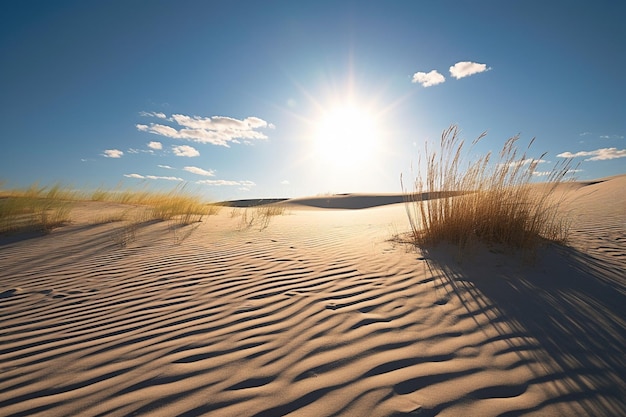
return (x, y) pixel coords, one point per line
(497, 203)
(35, 208)
(260, 216)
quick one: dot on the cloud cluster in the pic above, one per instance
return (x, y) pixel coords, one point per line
(459, 70)
(216, 130)
(602, 154)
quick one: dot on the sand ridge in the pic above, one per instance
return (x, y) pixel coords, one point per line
(319, 314)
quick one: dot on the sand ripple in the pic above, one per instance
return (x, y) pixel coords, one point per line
(318, 315)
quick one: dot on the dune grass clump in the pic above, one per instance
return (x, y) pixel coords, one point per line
(35, 208)
(260, 216)
(497, 202)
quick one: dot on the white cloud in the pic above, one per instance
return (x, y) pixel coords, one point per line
(597, 155)
(217, 130)
(185, 150)
(527, 161)
(220, 183)
(200, 171)
(285, 182)
(165, 166)
(153, 114)
(152, 177)
(611, 137)
(467, 68)
(428, 79)
(155, 145)
(112, 153)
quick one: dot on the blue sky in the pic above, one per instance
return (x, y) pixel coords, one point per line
(251, 99)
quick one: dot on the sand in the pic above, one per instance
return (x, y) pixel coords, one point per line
(318, 314)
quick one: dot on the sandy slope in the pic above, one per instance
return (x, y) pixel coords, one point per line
(316, 315)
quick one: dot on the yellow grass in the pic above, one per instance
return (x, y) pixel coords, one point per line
(34, 208)
(44, 208)
(498, 202)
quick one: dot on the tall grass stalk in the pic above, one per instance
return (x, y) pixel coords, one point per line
(498, 202)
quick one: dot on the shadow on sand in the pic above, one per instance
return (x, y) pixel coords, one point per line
(571, 304)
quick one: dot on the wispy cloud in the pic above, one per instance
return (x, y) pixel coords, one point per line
(185, 150)
(152, 177)
(611, 137)
(216, 130)
(428, 79)
(200, 171)
(597, 155)
(153, 114)
(155, 145)
(527, 161)
(113, 153)
(219, 183)
(467, 68)
(165, 166)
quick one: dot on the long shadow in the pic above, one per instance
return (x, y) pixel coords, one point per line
(572, 304)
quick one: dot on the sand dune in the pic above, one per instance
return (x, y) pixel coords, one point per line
(318, 314)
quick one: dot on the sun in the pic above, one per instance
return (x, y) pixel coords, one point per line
(346, 135)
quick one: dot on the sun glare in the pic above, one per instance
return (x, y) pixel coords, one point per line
(346, 135)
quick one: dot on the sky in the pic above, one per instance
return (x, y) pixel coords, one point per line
(261, 99)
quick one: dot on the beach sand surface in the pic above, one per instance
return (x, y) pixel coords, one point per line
(318, 313)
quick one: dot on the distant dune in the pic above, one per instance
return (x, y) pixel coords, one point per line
(320, 313)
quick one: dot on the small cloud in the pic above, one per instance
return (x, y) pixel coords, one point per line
(285, 182)
(165, 166)
(584, 134)
(200, 171)
(185, 150)
(611, 137)
(428, 79)
(467, 68)
(133, 150)
(597, 155)
(219, 183)
(152, 177)
(155, 145)
(112, 153)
